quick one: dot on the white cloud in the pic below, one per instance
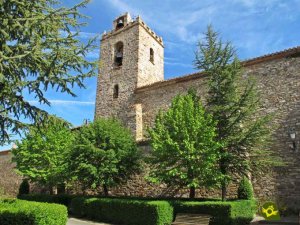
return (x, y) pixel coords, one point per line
(82, 35)
(257, 3)
(255, 27)
(121, 6)
(88, 35)
(179, 64)
(175, 22)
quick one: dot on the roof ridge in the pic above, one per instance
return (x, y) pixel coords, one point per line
(282, 53)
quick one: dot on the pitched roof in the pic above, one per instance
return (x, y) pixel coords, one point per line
(250, 62)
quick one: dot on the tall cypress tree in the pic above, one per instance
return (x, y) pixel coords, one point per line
(233, 101)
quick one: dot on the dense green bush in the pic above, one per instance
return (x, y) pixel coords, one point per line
(24, 187)
(239, 212)
(16, 212)
(124, 211)
(63, 199)
(245, 189)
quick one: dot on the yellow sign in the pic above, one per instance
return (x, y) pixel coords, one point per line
(270, 211)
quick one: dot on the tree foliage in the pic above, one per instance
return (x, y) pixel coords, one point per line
(39, 49)
(184, 150)
(233, 101)
(41, 155)
(104, 155)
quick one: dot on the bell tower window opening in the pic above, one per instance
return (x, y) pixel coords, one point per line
(119, 54)
(151, 55)
(120, 23)
(116, 91)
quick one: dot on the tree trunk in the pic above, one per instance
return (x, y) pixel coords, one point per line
(50, 190)
(224, 191)
(223, 170)
(192, 192)
(61, 188)
(105, 190)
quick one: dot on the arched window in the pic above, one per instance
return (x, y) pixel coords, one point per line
(116, 91)
(119, 53)
(151, 55)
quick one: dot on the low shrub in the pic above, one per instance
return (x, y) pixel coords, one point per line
(239, 212)
(243, 211)
(134, 210)
(245, 189)
(16, 212)
(124, 211)
(63, 199)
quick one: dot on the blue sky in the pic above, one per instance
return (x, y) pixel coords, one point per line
(255, 28)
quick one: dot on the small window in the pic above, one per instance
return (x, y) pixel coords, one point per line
(116, 91)
(119, 54)
(151, 55)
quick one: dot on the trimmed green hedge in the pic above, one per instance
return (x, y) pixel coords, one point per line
(239, 212)
(235, 212)
(124, 211)
(16, 212)
(78, 207)
(63, 199)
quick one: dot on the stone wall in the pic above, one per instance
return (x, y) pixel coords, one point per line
(143, 92)
(9, 179)
(123, 76)
(278, 82)
(149, 72)
(136, 70)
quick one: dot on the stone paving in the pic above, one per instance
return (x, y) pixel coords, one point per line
(292, 220)
(74, 221)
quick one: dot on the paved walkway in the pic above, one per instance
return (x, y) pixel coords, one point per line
(256, 221)
(74, 221)
(290, 220)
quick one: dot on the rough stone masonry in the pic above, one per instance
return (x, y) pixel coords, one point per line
(131, 87)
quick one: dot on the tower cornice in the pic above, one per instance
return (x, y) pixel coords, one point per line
(137, 21)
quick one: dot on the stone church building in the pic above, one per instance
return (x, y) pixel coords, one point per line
(131, 87)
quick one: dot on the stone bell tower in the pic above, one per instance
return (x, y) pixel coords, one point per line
(132, 55)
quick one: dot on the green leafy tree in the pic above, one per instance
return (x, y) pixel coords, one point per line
(233, 102)
(41, 155)
(184, 151)
(104, 155)
(39, 49)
